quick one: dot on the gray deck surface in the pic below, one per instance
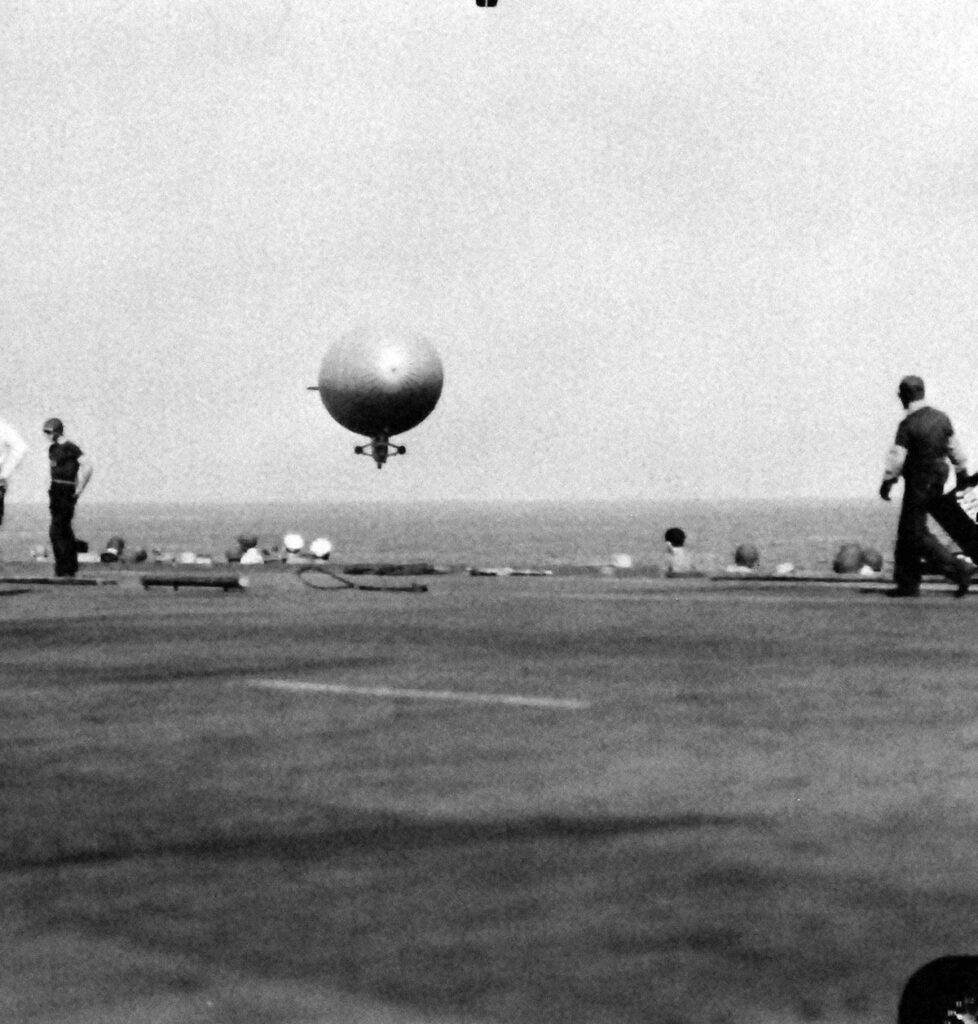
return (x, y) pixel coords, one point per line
(741, 804)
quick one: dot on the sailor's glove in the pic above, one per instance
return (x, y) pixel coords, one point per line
(885, 487)
(965, 480)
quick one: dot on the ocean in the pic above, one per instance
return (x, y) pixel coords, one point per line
(526, 534)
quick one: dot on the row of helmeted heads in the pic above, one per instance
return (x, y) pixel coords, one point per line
(850, 558)
(247, 551)
(293, 549)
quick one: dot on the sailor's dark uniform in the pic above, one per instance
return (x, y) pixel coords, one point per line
(64, 458)
(924, 443)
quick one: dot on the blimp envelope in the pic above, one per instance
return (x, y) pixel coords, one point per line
(378, 384)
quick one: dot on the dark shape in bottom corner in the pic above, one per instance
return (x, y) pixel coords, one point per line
(942, 991)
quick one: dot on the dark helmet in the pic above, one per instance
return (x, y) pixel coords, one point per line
(53, 426)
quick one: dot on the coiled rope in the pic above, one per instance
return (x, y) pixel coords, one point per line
(410, 588)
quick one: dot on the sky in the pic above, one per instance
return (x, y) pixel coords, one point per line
(674, 250)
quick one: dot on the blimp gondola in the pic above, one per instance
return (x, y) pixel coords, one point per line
(378, 384)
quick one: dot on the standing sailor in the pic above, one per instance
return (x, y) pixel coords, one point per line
(925, 441)
(70, 473)
(12, 448)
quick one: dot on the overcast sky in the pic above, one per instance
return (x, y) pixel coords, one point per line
(665, 250)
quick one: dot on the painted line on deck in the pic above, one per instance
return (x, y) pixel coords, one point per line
(341, 689)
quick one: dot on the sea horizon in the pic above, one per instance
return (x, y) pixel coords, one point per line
(522, 532)
(13, 500)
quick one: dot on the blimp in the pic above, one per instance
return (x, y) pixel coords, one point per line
(379, 384)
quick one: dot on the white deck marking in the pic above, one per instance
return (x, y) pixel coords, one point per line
(516, 700)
